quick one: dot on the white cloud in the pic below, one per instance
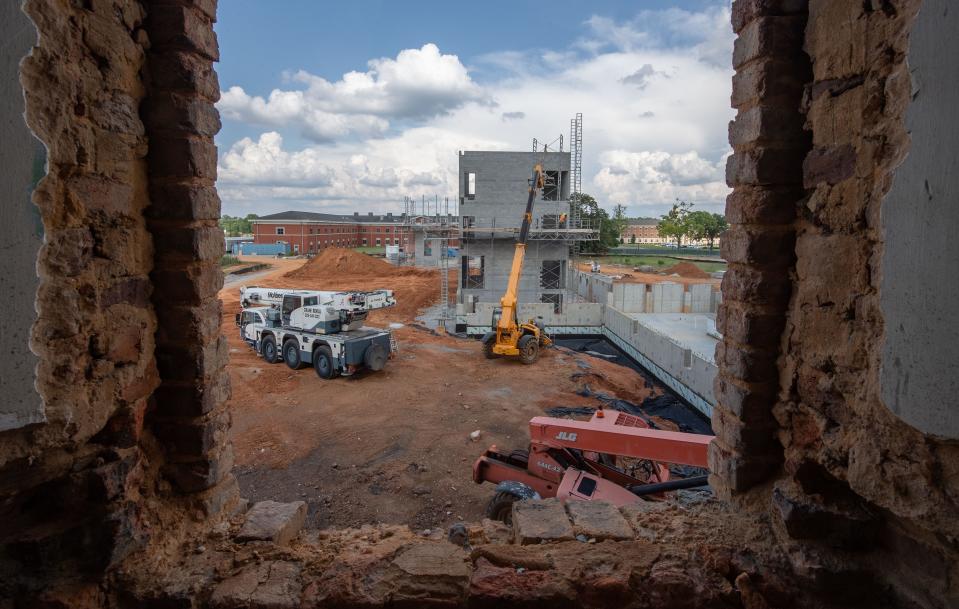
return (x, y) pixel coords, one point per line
(654, 95)
(660, 177)
(418, 84)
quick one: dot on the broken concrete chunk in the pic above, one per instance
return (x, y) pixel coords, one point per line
(598, 520)
(273, 521)
(539, 521)
(268, 585)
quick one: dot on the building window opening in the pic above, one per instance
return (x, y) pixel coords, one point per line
(473, 271)
(552, 275)
(470, 186)
(427, 247)
(280, 230)
(551, 186)
(555, 299)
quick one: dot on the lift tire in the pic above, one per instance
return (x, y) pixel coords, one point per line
(489, 339)
(291, 354)
(501, 506)
(268, 349)
(528, 349)
(323, 363)
(375, 357)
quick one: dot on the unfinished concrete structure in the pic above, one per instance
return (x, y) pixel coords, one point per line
(493, 193)
(837, 441)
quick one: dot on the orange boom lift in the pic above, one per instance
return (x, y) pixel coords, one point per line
(613, 457)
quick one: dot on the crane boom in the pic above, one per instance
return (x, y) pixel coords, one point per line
(508, 301)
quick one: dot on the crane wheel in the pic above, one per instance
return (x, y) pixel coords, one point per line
(323, 363)
(528, 349)
(501, 506)
(291, 354)
(488, 341)
(268, 349)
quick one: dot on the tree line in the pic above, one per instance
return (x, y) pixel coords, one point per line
(681, 221)
(234, 226)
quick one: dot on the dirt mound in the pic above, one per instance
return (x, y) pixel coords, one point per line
(344, 269)
(338, 261)
(687, 269)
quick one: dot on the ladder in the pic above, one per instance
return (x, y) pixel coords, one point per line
(394, 348)
(444, 278)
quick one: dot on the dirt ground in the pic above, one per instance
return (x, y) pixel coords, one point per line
(682, 272)
(392, 446)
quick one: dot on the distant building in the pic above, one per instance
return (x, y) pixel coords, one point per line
(642, 231)
(310, 232)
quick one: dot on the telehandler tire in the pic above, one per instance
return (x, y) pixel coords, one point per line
(323, 363)
(291, 354)
(268, 349)
(489, 339)
(501, 507)
(528, 349)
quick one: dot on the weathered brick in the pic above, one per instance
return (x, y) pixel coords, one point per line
(745, 11)
(769, 36)
(208, 7)
(175, 70)
(200, 323)
(758, 205)
(746, 325)
(170, 113)
(731, 472)
(765, 167)
(201, 474)
(750, 402)
(175, 244)
(599, 520)
(101, 194)
(829, 165)
(539, 521)
(191, 285)
(767, 247)
(196, 398)
(182, 27)
(183, 201)
(756, 438)
(190, 360)
(767, 125)
(746, 363)
(133, 291)
(757, 286)
(195, 437)
(181, 157)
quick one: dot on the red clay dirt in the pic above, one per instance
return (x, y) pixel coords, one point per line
(392, 446)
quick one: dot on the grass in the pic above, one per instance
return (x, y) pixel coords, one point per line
(228, 260)
(370, 250)
(661, 262)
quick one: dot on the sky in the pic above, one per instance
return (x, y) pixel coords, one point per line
(339, 107)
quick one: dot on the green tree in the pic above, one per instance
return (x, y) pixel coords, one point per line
(236, 226)
(675, 223)
(705, 226)
(595, 216)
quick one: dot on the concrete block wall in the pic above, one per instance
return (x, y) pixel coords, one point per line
(682, 364)
(574, 315)
(498, 256)
(502, 186)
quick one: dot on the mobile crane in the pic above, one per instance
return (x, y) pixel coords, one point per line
(319, 328)
(509, 337)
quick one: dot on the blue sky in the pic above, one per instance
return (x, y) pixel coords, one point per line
(651, 78)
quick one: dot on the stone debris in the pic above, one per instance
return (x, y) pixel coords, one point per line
(268, 585)
(273, 521)
(475, 436)
(598, 520)
(540, 521)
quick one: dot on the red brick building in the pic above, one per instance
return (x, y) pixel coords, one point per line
(642, 231)
(308, 232)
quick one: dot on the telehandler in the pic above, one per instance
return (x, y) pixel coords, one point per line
(509, 337)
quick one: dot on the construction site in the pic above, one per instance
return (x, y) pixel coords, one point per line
(495, 420)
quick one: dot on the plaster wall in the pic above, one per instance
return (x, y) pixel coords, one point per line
(919, 295)
(23, 159)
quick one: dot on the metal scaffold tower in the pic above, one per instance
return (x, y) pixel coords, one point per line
(575, 174)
